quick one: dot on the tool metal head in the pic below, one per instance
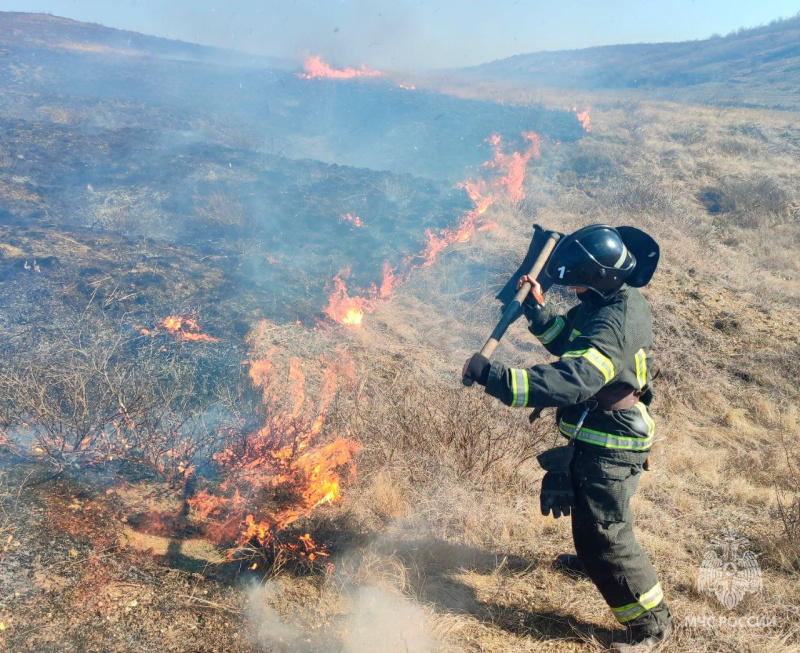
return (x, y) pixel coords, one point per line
(538, 240)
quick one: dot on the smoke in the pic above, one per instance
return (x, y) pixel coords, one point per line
(377, 620)
(267, 628)
(394, 621)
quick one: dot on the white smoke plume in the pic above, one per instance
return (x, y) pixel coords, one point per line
(377, 620)
(395, 622)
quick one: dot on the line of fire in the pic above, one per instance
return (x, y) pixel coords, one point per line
(198, 295)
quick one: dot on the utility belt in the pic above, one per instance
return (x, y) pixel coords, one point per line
(619, 398)
(631, 430)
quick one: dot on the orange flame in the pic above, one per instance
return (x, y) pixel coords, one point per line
(505, 180)
(389, 281)
(316, 68)
(584, 118)
(512, 166)
(186, 328)
(278, 474)
(352, 219)
(507, 183)
(341, 307)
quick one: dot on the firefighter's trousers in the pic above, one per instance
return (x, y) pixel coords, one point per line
(602, 529)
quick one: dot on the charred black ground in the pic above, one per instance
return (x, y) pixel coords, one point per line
(246, 169)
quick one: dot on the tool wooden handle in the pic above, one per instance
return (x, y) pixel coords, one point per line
(510, 314)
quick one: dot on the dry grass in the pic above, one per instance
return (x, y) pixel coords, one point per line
(723, 303)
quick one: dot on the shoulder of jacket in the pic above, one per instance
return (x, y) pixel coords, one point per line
(613, 312)
(635, 302)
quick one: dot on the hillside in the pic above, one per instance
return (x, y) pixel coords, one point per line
(751, 67)
(20, 30)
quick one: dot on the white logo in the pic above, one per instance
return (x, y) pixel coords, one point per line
(729, 569)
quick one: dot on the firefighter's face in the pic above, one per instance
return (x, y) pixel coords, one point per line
(578, 290)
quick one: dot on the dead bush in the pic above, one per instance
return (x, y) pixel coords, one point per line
(639, 193)
(788, 499)
(95, 395)
(434, 432)
(591, 164)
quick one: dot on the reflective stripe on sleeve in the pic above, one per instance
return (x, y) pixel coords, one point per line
(519, 387)
(641, 368)
(601, 362)
(647, 601)
(575, 333)
(552, 333)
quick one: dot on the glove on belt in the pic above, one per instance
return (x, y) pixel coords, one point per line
(557, 493)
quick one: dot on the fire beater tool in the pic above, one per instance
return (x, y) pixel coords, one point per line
(513, 308)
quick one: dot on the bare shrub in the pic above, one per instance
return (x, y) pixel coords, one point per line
(639, 193)
(61, 397)
(689, 134)
(93, 395)
(433, 432)
(788, 500)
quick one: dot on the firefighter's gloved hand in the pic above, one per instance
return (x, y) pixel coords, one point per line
(477, 368)
(557, 492)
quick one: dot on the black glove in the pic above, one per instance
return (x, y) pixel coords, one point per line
(557, 492)
(478, 369)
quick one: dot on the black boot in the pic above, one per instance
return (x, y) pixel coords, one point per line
(642, 643)
(570, 564)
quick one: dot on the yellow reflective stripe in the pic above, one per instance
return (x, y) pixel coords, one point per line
(651, 599)
(601, 362)
(647, 601)
(608, 440)
(513, 388)
(519, 381)
(575, 333)
(525, 377)
(651, 425)
(641, 368)
(552, 333)
(632, 612)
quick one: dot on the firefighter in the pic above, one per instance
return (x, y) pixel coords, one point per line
(600, 386)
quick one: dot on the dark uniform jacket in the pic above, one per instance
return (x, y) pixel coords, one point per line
(602, 345)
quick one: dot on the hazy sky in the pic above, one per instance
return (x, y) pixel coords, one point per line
(417, 34)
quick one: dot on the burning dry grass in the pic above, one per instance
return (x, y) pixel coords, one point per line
(501, 180)
(442, 516)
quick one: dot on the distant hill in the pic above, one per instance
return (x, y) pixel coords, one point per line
(43, 31)
(97, 77)
(759, 67)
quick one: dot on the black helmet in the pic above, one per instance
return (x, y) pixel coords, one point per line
(594, 257)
